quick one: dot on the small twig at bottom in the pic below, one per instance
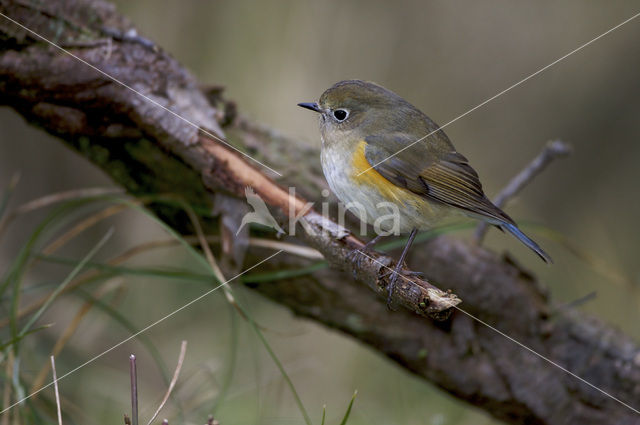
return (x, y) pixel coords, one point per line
(174, 379)
(552, 150)
(55, 387)
(133, 372)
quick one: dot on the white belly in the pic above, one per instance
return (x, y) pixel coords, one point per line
(367, 203)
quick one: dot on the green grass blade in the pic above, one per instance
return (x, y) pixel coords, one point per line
(12, 341)
(346, 415)
(279, 365)
(134, 271)
(284, 274)
(186, 274)
(233, 358)
(59, 214)
(13, 276)
(65, 282)
(169, 229)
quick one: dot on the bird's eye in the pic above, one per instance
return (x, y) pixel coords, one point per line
(340, 114)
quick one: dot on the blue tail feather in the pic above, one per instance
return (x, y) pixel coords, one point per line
(513, 229)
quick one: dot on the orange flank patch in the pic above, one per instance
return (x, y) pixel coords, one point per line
(372, 178)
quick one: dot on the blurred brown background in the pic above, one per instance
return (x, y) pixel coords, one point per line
(444, 57)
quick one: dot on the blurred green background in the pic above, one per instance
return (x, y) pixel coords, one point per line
(443, 56)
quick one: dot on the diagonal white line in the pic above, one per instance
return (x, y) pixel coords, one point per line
(139, 332)
(507, 89)
(147, 98)
(516, 341)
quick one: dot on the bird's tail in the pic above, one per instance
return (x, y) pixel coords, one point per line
(513, 229)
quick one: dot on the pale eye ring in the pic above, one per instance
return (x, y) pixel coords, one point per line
(340, 114)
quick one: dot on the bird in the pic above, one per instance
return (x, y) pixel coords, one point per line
(379, 151)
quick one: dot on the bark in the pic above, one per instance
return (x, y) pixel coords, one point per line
(148, 150)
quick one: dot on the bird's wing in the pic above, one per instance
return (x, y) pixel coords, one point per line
(433, 169)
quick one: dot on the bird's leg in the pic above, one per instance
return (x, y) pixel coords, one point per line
(398, 269)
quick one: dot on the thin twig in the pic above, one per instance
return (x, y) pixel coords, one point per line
(133, 372)
(174, 379)
(299, 250)
(552, 150)
(204, 244)
(55, 387)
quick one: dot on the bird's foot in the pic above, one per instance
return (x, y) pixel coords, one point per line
(398, 272)
(354, 254)
(391, 286)
(358, 254)
(399, 269)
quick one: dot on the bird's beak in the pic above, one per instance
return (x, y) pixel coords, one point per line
(310, 105)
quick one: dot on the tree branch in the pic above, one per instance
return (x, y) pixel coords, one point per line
(147, 150)
(552, 150)
(218, 166)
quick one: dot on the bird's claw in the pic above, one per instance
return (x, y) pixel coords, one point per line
(355, 255)
(395, 274)
(391, 286)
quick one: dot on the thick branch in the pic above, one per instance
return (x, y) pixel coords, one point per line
(147, 150)
(166, 84)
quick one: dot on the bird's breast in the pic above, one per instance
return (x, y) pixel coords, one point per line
(368, 194)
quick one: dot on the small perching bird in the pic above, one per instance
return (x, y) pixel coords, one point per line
(378, 149)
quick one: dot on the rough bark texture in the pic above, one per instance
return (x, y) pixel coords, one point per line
(147, 150)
